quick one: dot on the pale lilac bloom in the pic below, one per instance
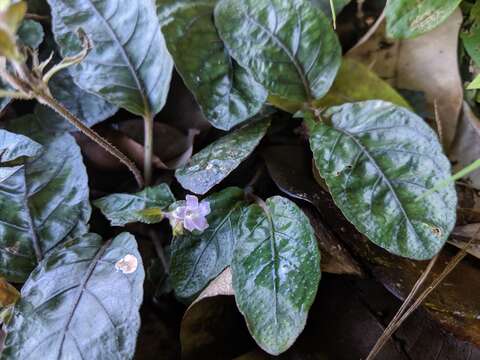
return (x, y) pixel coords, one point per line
(191, 216)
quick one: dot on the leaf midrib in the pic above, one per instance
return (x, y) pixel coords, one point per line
(386, 180)
(283, 47)
(126, 58)
(81, 289)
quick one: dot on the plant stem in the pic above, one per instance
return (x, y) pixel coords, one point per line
(49, 101)
(148, 148)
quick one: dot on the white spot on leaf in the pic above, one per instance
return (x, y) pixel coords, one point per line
(128, 264)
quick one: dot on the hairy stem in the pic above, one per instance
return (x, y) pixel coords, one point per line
(49, 101)
(148, 148)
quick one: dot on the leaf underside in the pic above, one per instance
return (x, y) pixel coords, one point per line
(377, 160)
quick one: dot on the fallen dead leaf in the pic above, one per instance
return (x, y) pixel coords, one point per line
(212, 319)
(466, 146)
(427, 63)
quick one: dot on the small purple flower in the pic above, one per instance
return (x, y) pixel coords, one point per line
(191, 216)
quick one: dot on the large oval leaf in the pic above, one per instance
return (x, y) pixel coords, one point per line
(43, 203)
(410, 18)
(276, 271)
(129, 65)
(225, 91)
(289, 46)
(89, 108)
(212, 164)
(145, 206)
(377, 160)
(81, 302)
(199, 258)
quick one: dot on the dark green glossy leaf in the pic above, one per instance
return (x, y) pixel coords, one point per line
(129, 65)
(471, 35)
(410, 18)
(81, 302)
(14, 151)
(354, 82)
(199, 258)
(31, 34)
(145, 206)
(377, 160)
(289, 46)
(225, 91)
(88, 107)
(44, 203)
(276, 270)
(212, 164)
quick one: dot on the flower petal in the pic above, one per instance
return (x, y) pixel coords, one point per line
(204, 208)
(192, 202)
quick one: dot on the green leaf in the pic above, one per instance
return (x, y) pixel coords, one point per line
(410, 18)
(377, 159)
(325, 6)
(276, 271)
(145, 206)
(211, 165)
(198, 258)
(227, 94)
(354, 82)
(289, 46)
(31, 34)
(42, 204)
(88, 107)
(80, 303)
(15, 149)
(471, 34)
(475, 84)
(129, 65)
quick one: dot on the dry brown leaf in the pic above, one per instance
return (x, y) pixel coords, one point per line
(101, 159)
(427, 63)
(8, 293)
(212, 318)
(171, 145)
(466, 147)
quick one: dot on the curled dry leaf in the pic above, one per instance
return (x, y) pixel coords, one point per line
(211, 320)
(8, 293)
(427, 63)
(466, 147)
(172, 146)
(462, 235)
(98, 157)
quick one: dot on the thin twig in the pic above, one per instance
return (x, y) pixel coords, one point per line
(385, 336)
(393, 326)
